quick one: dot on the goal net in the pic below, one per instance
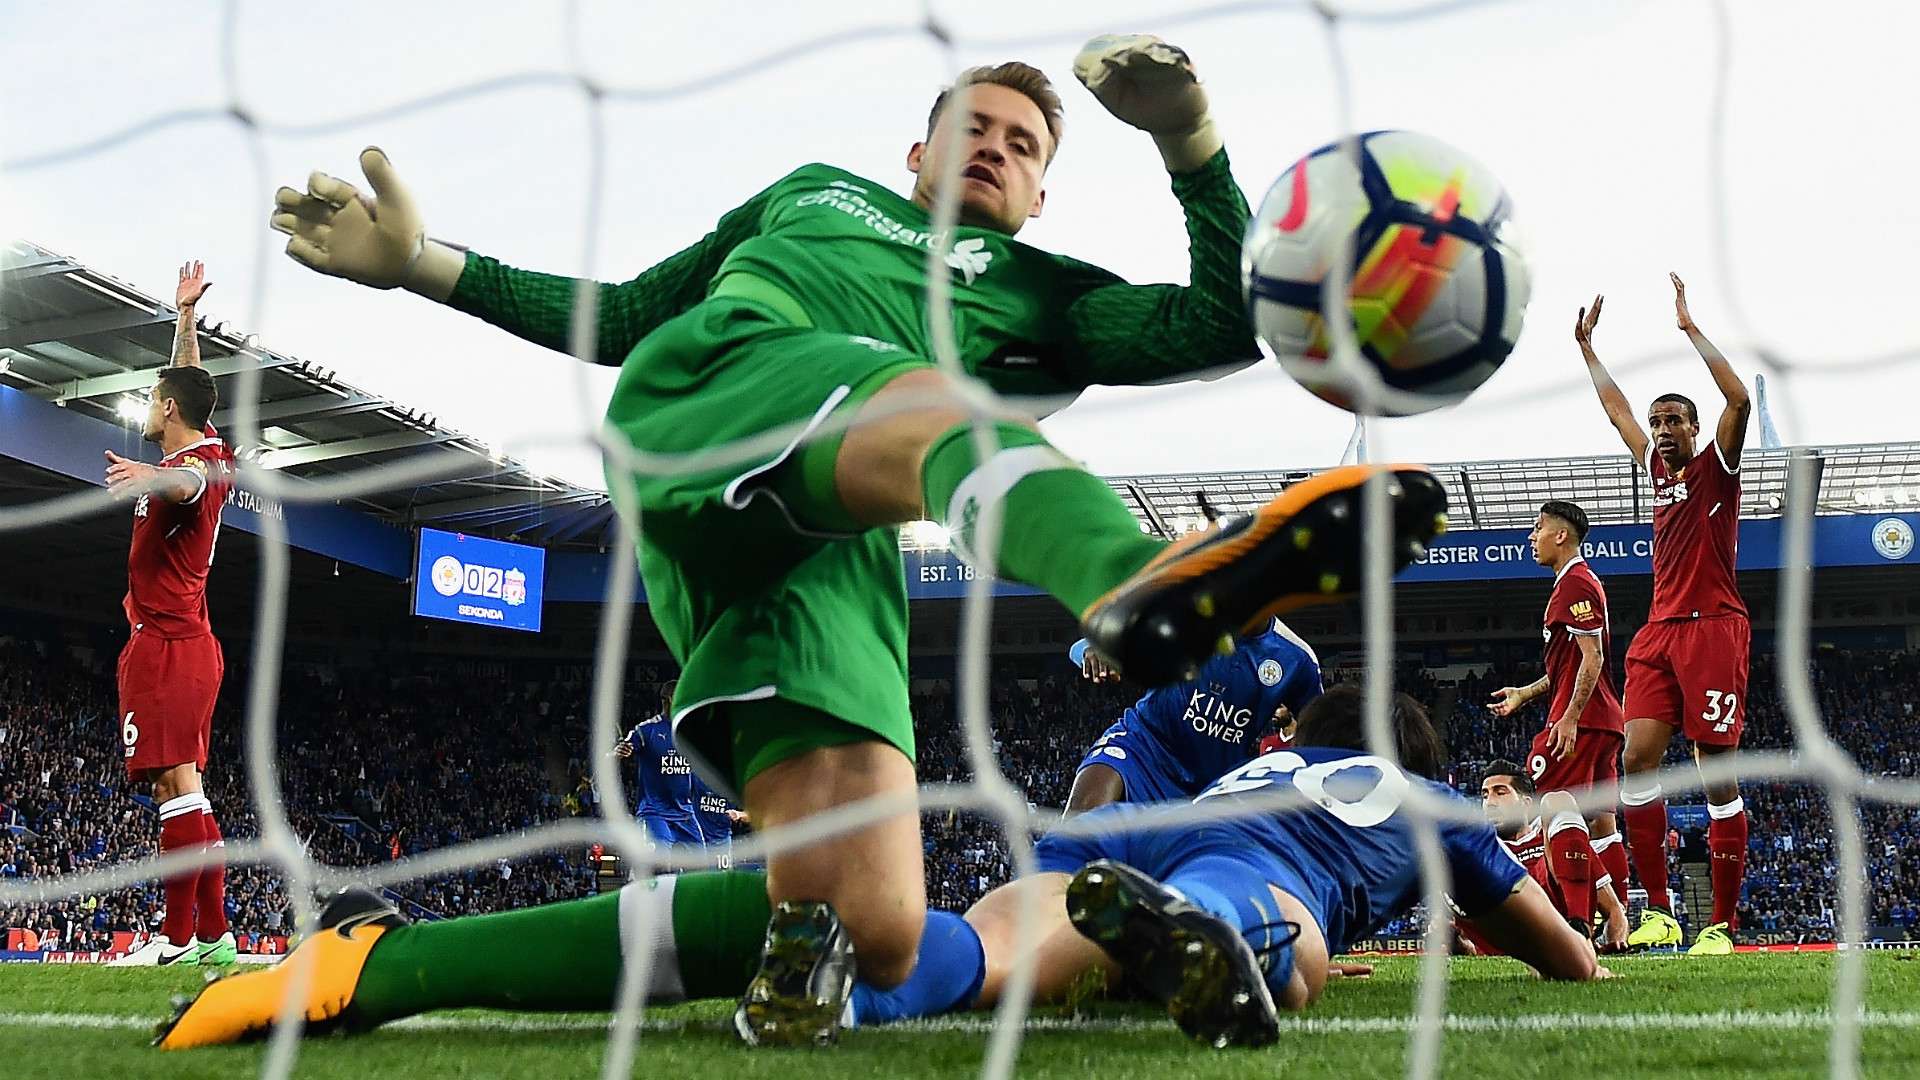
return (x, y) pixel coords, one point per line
(611, 88)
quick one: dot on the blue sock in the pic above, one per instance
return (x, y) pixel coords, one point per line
(1238, 893)
(946, 976)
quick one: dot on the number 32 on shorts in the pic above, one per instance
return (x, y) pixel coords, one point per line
(1722, 710)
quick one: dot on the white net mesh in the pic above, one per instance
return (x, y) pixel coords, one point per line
(240, 110)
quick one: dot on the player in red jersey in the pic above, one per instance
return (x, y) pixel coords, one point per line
(1687, 668)
(1579, 747)
(1555, 855)
(170, 669)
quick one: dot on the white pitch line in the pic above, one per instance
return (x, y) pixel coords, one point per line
(1528, 1023)
(1808, 1019)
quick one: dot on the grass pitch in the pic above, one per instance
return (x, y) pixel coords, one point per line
(1751, 1015)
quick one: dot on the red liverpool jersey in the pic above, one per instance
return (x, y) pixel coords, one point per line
(1696, 537)
(1577, 609)
(172, 545)
(1529, 849)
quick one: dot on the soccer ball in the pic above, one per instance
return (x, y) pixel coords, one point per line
(1440, 284)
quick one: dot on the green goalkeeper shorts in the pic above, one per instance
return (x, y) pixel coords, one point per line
(754, 602)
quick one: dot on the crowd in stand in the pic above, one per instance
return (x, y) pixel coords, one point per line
(371, 770)
(378, 767)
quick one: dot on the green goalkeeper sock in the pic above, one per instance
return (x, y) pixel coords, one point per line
(1062, 528)
(719, 925)
(567, 956)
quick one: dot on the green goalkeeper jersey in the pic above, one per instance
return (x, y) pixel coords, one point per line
(853, 255)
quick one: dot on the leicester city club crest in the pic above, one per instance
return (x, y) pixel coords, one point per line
(1893, 538)
(1269, 672)
(448, 575)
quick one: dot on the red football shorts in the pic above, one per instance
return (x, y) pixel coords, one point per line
(1692, 674)
(1538, 872)
(167, 687)
(1595, 761)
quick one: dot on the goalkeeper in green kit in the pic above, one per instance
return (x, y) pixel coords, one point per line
(777, 583)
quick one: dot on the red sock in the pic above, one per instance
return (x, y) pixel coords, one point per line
(1727, 846)
(1612, 852)
(1570, 859)
(210, 895)
(180, 830)
(1646, 822)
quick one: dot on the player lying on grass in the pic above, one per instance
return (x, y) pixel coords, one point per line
(1228, 921)
(1558, 856)
(1243, 919)
(777, 582)
(1177, 739)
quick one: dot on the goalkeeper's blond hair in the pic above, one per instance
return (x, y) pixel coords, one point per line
(1014, 75)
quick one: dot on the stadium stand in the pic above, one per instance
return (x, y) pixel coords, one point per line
(378, 767)
(371, 773)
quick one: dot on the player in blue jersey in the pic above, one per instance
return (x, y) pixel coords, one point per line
(666, 783)
(676, 806)
(1177, 739)
(1229, 921)
(716, 818)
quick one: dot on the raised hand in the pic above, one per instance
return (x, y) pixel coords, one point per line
(1145, 82)
(193, 285)
(337, 230)
(1588, 319)
(1681, 315)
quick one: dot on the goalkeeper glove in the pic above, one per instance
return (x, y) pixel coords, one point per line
(377, 241)
(1145, 82)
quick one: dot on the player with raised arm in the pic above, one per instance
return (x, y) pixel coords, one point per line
(1578, 749)
(777, 582)
(169, 672)
(1576, 887)
(1243, 922)
(676, 808)
(1687, 668)
(1177, 739)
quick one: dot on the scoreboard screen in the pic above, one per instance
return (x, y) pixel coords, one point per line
(474, 580)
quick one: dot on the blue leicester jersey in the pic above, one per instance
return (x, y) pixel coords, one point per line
(666, 778)
(710, 810)
(1344, 841)
(1176, 740)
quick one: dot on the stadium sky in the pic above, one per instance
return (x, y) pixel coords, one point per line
(1596, 116)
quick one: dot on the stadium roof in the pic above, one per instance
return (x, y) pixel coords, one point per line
(1862, 479)
(83, 340)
